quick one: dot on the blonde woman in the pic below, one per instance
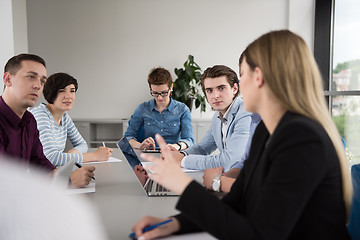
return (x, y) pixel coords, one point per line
(295, 183)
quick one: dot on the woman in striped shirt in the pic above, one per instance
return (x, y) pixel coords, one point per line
(55, 125)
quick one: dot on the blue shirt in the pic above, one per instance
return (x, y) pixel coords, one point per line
(173, 123)
(255, 119)
(230, 150)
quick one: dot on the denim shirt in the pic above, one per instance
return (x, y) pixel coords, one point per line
(173, 123)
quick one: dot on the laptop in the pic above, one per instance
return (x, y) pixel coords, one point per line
(150, 187)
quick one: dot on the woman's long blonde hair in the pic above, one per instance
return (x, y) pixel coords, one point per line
(292, 74)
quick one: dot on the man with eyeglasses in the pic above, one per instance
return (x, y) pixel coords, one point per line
(163, 115)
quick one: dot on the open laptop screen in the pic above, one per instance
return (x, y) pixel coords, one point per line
(150, 187)
(129, 152)
(133, 160)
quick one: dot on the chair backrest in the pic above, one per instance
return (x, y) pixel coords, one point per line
(354, 222)
(343, 141)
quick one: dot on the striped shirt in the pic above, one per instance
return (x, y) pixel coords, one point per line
(53, 137)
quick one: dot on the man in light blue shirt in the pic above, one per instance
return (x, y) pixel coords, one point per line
(229, 130)
(226, 180)
(255, 119)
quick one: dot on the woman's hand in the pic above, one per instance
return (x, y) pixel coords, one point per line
(149, 142)
(173, 147)
(103, 153)
(167, 171)
(160, 231)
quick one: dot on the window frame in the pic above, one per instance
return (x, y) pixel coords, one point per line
(323, 48)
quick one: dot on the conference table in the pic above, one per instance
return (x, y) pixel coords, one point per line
(121, 201)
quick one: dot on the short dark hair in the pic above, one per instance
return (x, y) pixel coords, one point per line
(219, 71)
(159, 76)
(55, 82)
(14, 64)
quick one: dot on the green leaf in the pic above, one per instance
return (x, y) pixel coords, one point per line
(191, 59)
(177, 71)
(203, 107)
(197, 103)
(188, 84)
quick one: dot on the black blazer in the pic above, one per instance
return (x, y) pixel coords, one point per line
(290, 188)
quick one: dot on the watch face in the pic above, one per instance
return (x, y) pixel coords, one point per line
(216, 185)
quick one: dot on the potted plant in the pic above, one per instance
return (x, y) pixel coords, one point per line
(187, 86)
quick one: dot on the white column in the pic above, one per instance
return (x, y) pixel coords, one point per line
(7, 36)
(302, 19)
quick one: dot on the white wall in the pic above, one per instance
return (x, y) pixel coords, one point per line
(20, 26)
(6, 39)
(111, 45)
(302, 19)
(13, 25)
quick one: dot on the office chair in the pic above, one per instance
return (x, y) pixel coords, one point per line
(354, 222)
(343, 141)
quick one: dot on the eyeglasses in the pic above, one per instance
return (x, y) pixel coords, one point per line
(157, 94)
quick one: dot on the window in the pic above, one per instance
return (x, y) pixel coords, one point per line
(337, 36)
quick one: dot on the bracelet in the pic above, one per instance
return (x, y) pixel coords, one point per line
(179, 146)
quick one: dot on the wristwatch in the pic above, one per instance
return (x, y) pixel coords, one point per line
(216, 183)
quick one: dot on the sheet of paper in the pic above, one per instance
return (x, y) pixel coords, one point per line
(111, 159)
(184, 169)
(88, 189)
(197, 236)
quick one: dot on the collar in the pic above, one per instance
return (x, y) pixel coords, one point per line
(169, 108)
(224, 118)
(255, 118)
(47, 111)
(12, 118)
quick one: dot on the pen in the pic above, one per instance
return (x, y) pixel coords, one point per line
(132, 235)
(79, 166)
(104, 144)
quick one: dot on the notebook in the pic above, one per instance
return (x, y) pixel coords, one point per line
(150, 187)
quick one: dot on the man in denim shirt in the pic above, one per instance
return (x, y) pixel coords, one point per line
(229, 130)
(163, 115)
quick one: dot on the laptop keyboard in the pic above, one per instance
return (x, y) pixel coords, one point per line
(149, 186)
(158, 187)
